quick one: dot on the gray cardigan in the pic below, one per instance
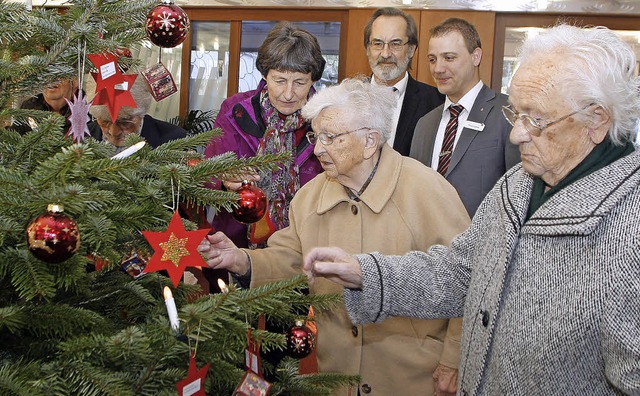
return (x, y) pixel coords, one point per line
(551, 305)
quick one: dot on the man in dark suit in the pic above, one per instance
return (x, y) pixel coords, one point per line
(479, 151)
(133, 120)
(391, 39)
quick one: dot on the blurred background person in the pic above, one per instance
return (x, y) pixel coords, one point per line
(548, 274)
(391, 40)
(51, 99)
(368, 198)
(133, 120)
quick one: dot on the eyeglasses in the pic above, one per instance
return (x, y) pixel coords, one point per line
(327, 138)
(394, 45)
(124, 125)
(533, 126)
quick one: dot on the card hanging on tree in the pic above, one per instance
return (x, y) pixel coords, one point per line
(160, 81)
(252, 355)
(252, 385)
(134, 265)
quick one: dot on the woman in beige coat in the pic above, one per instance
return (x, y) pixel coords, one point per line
(370, 198)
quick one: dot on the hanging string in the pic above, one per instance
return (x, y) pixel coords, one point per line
(82, 55)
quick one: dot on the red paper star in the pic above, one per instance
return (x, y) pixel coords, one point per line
(175, 249)
(109, 73)
(193, 385)
(117, 97)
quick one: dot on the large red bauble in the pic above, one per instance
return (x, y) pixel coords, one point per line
(53, 237)
(300, 341)
(167, 25)
(252, 204)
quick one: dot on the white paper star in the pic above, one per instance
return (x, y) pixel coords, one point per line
(79, 117)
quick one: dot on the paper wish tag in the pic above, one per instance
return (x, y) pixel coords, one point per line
(252, 385)
(160, 81)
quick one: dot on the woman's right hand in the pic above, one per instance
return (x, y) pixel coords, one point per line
(236, 183)
(220, 252)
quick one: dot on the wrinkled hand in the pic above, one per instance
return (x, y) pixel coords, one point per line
(445, 381)
(236, 183)
(334, 264)
(220, 252)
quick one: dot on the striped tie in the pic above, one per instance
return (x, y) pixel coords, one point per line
(449, 138)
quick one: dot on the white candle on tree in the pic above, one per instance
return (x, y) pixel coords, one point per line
(223, 286)
(171, 308)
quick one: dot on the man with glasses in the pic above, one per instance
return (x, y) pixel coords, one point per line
(548, 273)
(368, 198)
(391, 40)
(467, 138)
(133, 120)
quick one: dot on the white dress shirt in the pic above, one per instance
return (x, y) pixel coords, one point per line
(400, 89)
(467, 102)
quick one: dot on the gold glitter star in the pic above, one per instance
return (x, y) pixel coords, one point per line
(174, 249)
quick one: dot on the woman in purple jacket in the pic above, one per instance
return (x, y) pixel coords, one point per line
(267, 120)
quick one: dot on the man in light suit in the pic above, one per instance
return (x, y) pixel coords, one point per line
(481, 151)
(391, 39)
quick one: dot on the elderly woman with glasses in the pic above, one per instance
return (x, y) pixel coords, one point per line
(548, 274)
(133, 120)
(369, 198)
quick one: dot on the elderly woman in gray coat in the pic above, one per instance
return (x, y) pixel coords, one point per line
(548, 274)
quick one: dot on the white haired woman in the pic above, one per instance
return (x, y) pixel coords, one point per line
(368, 198)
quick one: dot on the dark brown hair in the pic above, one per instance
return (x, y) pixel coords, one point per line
(290, 48)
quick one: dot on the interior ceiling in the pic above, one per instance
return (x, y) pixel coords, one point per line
(555, 6)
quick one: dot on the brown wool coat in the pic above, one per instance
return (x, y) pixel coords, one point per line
(407, 206)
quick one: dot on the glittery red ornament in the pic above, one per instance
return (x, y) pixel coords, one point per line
(167, 25)
(252, 204)
(300, 340)
(53, 237)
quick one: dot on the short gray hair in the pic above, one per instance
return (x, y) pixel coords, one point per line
(600, 69)
(141, 95)
(371, 106)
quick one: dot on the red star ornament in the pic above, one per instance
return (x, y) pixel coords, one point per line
(175, 249)
(193, 385)
(119, 97)
(109, 73)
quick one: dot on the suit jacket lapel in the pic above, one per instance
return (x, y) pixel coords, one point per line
(479, 112)
(410, 104)
(430, 135)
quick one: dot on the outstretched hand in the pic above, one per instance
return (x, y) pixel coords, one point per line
(334, 264)
(220, 252)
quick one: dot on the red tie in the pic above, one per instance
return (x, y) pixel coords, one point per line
(449, 138)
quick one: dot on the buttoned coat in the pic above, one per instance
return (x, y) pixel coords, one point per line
(480, 158)
(406, 206)
(552, 302)
(419, 99)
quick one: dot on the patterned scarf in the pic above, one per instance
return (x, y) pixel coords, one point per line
(281, 184)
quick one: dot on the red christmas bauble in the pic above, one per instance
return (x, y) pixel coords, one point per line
(193, 161)
(53, 237)
(300, 341)
(252, 204)
(167, 25)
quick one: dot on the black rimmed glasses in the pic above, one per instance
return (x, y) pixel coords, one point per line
(394, 45)
(327, 138)
(533, 126)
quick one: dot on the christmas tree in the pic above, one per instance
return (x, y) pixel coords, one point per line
(73, 322)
